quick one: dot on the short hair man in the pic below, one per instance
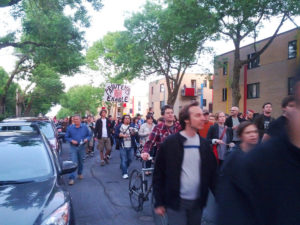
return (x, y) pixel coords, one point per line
(162, 131)
(279, 126)
(207, 124)
(263, 120)
(233, 121)
(103, 132)
(185, 169)
(77, 135)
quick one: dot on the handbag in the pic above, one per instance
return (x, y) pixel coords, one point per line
(215, 150)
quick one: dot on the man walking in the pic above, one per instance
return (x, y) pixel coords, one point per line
(207, 124)
(103, 132)
(161, 131)
(263, 120)
(185, 169)
(233, 122)
(77, 135)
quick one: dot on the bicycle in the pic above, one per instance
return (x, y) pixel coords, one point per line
(138, 187)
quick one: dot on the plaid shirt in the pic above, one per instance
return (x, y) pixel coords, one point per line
(159, 134)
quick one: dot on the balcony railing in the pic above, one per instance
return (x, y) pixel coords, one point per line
(189, 92)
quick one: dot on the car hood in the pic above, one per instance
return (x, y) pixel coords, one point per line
(29, 203)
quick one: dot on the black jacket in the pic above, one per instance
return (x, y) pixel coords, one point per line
(228, 121)
(261, 187)
(213, 133)
(98, 128)
(167, 172)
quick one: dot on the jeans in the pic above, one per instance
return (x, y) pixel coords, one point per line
(77, 155)
(189, 214)
(126, 155)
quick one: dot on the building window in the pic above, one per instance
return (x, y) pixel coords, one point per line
(292, 49)
(253, 90)
(210, 83)
(152, 89)
(193, 83)
(291, 82)
(225, 68)
(162, 104)
(204, 102)
(162, 88)
(205, 83)
(224, 94)
(139, 106)
(254, 63)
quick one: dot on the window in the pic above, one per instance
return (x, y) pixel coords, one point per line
(224, 94)
(205, 83)
(152, 88)
(162, 87)
(225, 68)
(210, 83)
(162, 104)
(254, 63)
(292, 49)
(139, 106)
(193, 82)
(253, 90)
(291, 83)
(204, 102)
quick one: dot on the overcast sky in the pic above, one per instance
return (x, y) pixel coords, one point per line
(111, 18)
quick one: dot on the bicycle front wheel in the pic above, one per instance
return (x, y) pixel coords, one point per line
(136, 194)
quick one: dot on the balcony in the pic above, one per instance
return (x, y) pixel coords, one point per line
(189, 92)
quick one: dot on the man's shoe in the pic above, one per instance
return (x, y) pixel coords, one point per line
(102, 163)
(80, 176)
(125, 176)
(71, 182)
(106, 160)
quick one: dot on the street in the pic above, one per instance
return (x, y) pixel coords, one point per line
(101, 198)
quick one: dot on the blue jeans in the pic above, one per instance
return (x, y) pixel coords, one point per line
(126, 155)
(77, 155)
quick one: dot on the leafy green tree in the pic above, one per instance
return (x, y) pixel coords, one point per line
(48, 37)
(82, 99)
(63, 113)
(159, 40)
(240, 19)
(11, 94)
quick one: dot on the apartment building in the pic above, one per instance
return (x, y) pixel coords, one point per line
(194, 87)
(269, 78)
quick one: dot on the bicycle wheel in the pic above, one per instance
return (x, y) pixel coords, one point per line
(136, 194)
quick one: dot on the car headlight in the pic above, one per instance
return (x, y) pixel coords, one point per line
(60, 216)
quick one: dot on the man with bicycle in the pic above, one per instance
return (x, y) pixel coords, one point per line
(185, 168)
(161, 131)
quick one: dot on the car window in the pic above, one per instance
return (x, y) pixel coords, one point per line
(23, 158)
(47, 129)
(5, 128)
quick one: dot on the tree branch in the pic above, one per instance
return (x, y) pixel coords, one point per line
(22, 44)
(255, 24)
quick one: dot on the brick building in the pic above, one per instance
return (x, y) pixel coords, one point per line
(267, 79)
(193, 87)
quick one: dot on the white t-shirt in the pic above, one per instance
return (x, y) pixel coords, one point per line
(127, 140)
(104, 130)
(190, 170)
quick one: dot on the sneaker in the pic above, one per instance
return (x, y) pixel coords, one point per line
(102, 163)
(106, 160)
(80, 176)
(125, 176)
(71, 182)
(108, 156)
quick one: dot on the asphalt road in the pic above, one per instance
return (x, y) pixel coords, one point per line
(101, 198)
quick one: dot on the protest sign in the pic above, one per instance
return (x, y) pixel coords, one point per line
(116, 93)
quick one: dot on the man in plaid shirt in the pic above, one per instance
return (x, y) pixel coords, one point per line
(162, 131)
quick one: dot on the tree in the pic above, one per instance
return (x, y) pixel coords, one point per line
(48, 37)
(239, 19)
(11, 94)
(159, 40)
(82, 99)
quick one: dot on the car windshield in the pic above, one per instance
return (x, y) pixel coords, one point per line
(47, 129)
(23, 158)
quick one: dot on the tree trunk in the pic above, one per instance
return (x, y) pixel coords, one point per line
(236, 95)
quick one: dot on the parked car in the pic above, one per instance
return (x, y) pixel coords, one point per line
(46, 125)
(32, 189)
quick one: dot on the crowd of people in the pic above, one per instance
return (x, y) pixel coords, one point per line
(251, 162)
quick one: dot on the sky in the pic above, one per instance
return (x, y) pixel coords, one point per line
(109, 19)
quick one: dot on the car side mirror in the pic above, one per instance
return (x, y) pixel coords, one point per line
(68, 167)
